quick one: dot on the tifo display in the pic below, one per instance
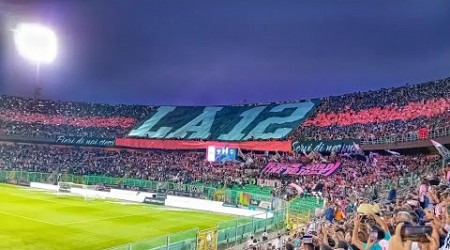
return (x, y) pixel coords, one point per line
(343, 172)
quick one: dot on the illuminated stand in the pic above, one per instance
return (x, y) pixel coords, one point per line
(38, 44)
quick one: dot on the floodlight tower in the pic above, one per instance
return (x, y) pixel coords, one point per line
(38, 44)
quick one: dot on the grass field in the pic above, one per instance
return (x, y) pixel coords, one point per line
(32, 219)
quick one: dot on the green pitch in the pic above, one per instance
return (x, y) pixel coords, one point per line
(31, 219)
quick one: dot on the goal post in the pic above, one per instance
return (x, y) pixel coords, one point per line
(89, 192)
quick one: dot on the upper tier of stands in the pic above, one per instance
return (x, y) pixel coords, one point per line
(45, 118)
(412, 111)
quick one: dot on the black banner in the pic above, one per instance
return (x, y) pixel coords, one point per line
(85, 141)
(161, 196)
(188, 194)
(338, 146)
(64, 188)
(188, 190)
(155, 200)
(162, 191)
(254, 202)
(229, 204)
(260, 204)
(265, 205)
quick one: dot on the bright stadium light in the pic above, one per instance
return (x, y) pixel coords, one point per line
(36, 42)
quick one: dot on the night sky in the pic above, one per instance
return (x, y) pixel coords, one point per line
(212, 52)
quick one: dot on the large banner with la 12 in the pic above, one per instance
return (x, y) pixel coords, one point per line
(224, 123)
(221, 154)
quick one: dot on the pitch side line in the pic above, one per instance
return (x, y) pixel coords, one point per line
(27, 218)
(107, 218)
(206, 217)
(52, 201)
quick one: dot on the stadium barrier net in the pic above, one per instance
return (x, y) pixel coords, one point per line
(197, 191)
(201, 191)
(226, 235)
(185, 240)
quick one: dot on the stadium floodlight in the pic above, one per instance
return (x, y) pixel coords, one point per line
(36, 42)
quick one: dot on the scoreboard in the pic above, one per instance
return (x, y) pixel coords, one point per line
(221, 154)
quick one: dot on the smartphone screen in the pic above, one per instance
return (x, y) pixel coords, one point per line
(374, 235)
(416, 233)
(307, 239)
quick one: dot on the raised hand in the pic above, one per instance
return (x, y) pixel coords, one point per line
(370, 243)
(433, 243)
(396, 241)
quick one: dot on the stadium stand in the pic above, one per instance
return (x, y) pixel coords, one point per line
(376, 223)
(412, 111)
(191, 167)
(47, 119)
(368, 196)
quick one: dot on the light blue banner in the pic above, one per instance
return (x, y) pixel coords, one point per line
(226, 123)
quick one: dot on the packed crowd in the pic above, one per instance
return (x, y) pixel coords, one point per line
(400, 96)
(48, 119)
(157, 165)
(399, 111)
(367, 115)
(358, 215)
(354, 175)
(417, 219)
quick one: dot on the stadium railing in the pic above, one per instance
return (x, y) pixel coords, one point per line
(232, 196)
(232, 233)
(198, 191)
(413, 178)
(404, 183)
(226, 235)
(414, 136)
(185, 240)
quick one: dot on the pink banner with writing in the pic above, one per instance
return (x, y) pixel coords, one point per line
(324, 169)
